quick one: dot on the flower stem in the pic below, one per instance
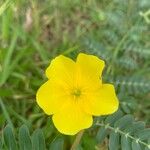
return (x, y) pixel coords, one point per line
(77, 140)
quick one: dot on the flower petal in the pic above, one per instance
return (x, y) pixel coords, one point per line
(89, 70)
(51, 97)
(71, 119)
(61, 69)
(102, 102)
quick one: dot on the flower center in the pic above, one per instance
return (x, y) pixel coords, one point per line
(76, 92)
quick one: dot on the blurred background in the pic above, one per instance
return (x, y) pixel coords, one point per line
(33, 32)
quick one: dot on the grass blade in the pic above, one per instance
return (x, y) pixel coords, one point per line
(5, 6)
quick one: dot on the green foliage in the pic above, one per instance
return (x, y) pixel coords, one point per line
(9, 138)
(38, 140)
(57, 143)
(25, 141)
(123, 132)
(132, 84)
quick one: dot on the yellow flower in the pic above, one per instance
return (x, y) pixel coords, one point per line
(74, 93)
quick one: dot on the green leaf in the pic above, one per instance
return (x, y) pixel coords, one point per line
(124, 122)
(125, 143)
(144, 134)
(9, 138)
(24, 138)
(136, 126)
(114, 141)
(126, 109)
(114, 117)
(101, 134)
(5, 112)
(57, 144)
(136, 146)
(38, 141)
(148, 147)
(7, 60)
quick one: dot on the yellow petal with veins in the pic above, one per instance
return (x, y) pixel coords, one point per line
(101, 102)
(71, 119)
(62, 70)
(89, 71)
(51, 97)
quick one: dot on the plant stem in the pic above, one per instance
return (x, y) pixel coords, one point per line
(77, 140)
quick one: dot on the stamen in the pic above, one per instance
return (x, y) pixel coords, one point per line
(76, 92)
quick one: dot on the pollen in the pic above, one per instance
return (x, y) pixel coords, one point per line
(76, 92)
